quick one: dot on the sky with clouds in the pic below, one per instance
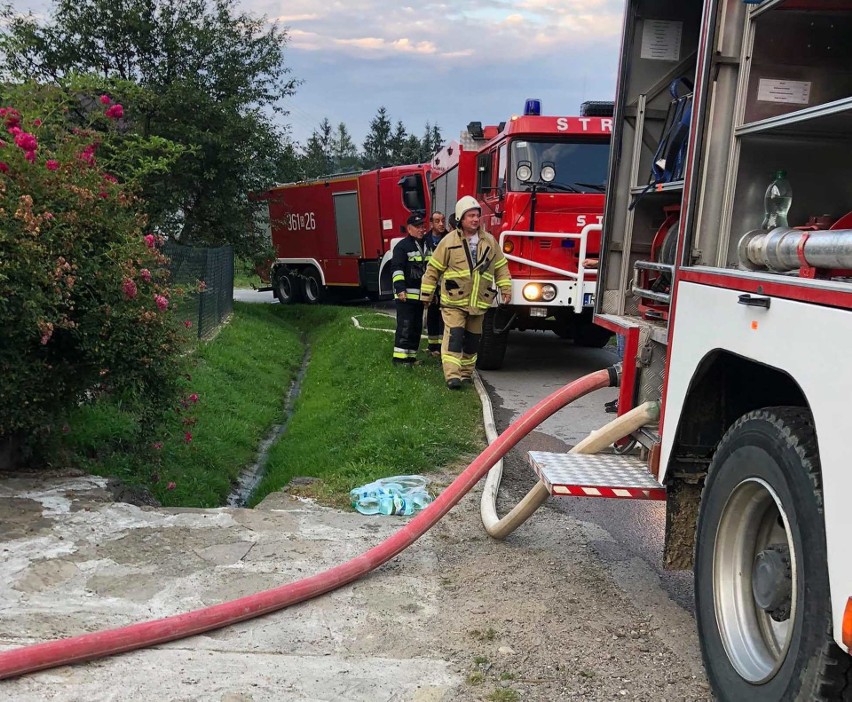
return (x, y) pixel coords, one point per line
(447, 62)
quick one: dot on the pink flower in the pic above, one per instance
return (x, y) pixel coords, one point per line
(187, 436)
(65, 428)
(187, 324)
(2, 111)
(115, 112)
(145, 274)
(157, 445)
(13, 118)
(105, 100)
(171, 486)
(110, 178)
(129, 288)
(193, 397)
(26, 141)
(14, 131)
(36, 122)
(4, 168)
(162, 302)
(150, 240)
(52, 165)
(30, 156)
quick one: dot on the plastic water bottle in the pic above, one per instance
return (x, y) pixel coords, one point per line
(777, 201)
(401, 494)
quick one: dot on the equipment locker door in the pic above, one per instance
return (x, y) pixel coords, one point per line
(348, 224)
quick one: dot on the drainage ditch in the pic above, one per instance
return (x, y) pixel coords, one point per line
(250, 478)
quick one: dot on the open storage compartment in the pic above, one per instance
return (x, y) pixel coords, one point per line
(791, 111)
(660, 46)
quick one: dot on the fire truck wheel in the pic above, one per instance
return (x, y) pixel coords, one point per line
(285, 287)
(313, 291)
(492, 346)
(761, 581)
(590, 335)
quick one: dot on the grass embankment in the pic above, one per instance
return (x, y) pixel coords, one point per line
(358, 417)
(241, 378)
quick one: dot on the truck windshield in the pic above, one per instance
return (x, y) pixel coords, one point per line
(580, 167)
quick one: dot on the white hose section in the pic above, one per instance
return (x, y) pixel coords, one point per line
(596, 441)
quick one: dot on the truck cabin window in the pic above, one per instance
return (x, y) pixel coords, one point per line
(559, 167)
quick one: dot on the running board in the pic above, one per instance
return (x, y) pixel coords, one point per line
(596, 475)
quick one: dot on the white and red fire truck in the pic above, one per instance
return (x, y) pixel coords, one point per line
(540, 181)
(335, 235)
(739, 331)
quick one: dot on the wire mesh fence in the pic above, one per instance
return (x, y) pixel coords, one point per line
(214, 267)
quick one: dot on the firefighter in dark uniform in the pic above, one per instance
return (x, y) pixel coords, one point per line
(472, 269)
(408, 264)
(434, 323)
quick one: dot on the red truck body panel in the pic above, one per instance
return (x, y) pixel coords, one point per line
(339, 223)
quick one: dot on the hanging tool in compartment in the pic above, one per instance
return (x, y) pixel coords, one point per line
(670, 156)
(652, 280)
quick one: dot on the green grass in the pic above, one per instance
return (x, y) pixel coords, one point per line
(360, 418)
(504, 695)
(241, 378)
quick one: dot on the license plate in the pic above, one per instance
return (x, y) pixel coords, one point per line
(588, 299)
(538, 311)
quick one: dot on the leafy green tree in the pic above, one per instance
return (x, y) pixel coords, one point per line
(198, 73)
(377, 144)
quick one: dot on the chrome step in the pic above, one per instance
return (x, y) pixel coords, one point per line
(596, 475)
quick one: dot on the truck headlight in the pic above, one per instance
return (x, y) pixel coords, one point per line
(532, 292)
(548, 292)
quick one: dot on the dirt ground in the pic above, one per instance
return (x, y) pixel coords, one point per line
(457, 616)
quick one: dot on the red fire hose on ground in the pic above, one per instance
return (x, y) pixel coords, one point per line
(99, 644)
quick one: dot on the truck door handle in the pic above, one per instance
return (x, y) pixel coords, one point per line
(754, 301)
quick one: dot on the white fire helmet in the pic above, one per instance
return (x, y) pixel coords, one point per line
(464, 205)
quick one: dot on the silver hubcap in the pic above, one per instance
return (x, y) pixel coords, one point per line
(754, 581)
(311, 289)
(285, 288)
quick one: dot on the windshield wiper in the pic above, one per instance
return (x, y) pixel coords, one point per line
(599, 188)
(563, 187)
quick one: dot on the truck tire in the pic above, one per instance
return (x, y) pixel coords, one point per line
(285, 287)
(313, 291)
(492, 346)
(761, 581)
(590, 335)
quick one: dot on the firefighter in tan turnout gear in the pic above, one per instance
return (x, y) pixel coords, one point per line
(471, 268)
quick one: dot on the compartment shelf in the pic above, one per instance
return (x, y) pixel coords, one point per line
(800, 5)
(673, 187)
(811, 120)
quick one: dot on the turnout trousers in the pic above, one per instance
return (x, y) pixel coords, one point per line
(461, 342)
(409, 327)
(434, 326)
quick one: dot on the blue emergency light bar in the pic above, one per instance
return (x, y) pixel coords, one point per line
(532, 107)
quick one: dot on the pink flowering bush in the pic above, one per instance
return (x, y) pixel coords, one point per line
(84, 290)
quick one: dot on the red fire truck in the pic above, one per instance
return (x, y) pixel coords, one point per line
(540, 181)
(335, 235)
(736, 325)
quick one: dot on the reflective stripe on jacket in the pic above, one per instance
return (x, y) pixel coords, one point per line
(465, 283)
(408, 265)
